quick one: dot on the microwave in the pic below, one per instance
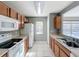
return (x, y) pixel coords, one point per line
(8, 24)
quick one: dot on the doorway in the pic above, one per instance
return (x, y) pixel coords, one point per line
(41, 29)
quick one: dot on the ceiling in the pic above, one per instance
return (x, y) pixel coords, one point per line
(74, 12)
(27, 8)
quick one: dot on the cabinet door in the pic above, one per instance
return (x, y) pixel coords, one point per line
(23, 21)
(65, 50)
(57, 21)
(19, 17)
(4, 10)
(53, 45)
(62, 53)
(13, 14)
(26, 45)
(56, 50)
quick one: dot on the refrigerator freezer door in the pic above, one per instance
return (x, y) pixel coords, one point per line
(29, 31)
(31, 36)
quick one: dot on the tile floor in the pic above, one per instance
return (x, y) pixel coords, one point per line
(40, 49)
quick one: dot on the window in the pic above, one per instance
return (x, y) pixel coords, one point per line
(67, 28)
(39, 27)
(71, 28)
(75, 29)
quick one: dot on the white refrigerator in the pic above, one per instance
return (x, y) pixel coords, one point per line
(29, 31)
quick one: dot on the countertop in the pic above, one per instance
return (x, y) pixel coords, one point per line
(3, 51)
(21, 36)
(74, 51)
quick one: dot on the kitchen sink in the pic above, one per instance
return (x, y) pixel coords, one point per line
(72, 44)
(16, 39)
(9, 43)
(64, 39)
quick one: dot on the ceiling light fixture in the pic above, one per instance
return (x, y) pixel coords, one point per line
(39, 5)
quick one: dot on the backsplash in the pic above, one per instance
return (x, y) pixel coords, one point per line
(14, 33)
(11, 34)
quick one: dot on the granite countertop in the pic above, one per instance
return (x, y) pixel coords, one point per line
(74, 51)
(21, 36)
(3, 51)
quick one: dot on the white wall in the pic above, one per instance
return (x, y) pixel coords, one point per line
(48, 29)
(74, 12)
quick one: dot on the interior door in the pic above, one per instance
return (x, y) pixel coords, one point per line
(41, 29)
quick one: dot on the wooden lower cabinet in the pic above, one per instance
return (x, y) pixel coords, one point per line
(53, 45)
(26, 45)
(65, 51)
(62, 53)
(56, 50)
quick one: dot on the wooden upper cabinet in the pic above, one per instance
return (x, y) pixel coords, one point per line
(57, 22)
(26, 20)
(19, 17)
(13, 14)
(23, 19)
(30, 21)
(4, 10)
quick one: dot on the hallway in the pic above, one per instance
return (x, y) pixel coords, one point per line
(40, 49)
